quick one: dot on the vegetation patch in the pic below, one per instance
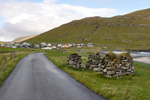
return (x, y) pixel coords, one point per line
(127, 88)
(7, 63)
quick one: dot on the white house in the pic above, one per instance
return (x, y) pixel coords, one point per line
(16, 44)
(2, 45)
(7, 45)
(90, 45)
(70, 45)
(59, 45)
(43, 44)
(13, 46)
(49, 44)
(36, 46)
(54, 47)
(79, 45)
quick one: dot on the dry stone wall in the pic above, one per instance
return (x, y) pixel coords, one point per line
(74, 60)
(93, 60)
(110, 66)
(125, 64)
(113, 66)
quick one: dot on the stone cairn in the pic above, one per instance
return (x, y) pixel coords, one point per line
(107, 67)
(124, 65)
(74, 60)
(113, 66)
(93, 60)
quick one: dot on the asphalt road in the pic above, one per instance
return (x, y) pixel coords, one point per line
(36, 78)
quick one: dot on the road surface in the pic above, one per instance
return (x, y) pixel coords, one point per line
(36, 78)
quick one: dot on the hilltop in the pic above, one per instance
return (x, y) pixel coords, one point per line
(130, 31)
(24, 38)
(1, 42)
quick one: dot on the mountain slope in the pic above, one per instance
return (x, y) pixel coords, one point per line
(130, 31)
(20, 39)
(1, 42)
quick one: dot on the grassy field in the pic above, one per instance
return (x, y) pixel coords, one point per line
(7, 64)
(127, 88)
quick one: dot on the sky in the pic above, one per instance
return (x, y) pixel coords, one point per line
(32, 17)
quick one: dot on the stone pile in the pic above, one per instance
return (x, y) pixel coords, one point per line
(74, 60)
(93, 60)
(113, 66)
(108, 65)
(125, 64)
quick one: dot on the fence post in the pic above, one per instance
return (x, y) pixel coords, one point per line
(14, 55)
(11, 55)
(5, 59)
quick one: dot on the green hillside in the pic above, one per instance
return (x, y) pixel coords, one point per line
(1, 42)
(131, 31)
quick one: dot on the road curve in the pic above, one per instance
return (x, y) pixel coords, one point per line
(37, 78)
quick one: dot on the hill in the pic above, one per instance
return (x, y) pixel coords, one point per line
(130, 31)
(1, 42)
(20, 39)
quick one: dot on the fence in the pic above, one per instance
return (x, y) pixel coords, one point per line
(6, 57)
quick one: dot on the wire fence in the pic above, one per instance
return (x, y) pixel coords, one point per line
(6, 57)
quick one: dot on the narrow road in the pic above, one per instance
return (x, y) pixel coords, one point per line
(36, 78)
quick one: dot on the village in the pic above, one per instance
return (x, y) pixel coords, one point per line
(44, 45)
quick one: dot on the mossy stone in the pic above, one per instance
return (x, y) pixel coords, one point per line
(111, 55)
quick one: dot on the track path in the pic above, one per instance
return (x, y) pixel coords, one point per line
(37, 78)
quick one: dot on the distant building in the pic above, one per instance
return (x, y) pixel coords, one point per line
(54, 47)
(90, 45)
(104, 47)
(16, 44)
(7, 45)
(13, 46)
(2, 45)
(79, 45)
(37, 46)
(49, 44)
(74, 44)
(43, 44)
(64, 46)
(70, 45)
(59, 45)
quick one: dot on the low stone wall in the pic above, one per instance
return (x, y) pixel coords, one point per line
(93, 60)
(74, 60)
(113, 66)
(125, 64)
(110, 66)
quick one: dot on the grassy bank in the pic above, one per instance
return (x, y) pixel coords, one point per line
(127, 88)
(7, 64)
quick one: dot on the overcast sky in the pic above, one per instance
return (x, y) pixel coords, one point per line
(31, 17)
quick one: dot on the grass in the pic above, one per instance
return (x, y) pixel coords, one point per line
(7, 66)
(127, 88)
